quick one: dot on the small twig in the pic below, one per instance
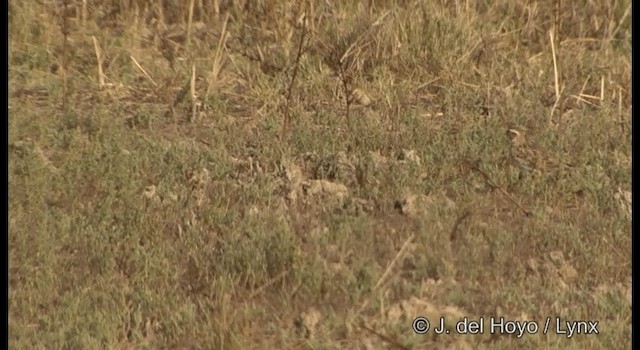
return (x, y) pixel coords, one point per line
(487, 179)
(347, 94)
(261, 289)
(287, 113)
(454, 231)
(395, 343)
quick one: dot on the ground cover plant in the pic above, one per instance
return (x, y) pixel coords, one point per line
(214, 174)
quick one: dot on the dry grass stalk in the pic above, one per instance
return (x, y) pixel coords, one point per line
(143, 71)
(96, 47)
(64, 27)
(556, 20)
(399, 255)
(190, 22)
(84, 12)
(582, 98)
(584, 85)
(217, 57)
(622, 19)
(620, 109)
(358, 43)
(194, 98)
(556, 75)
(216, 7)
(272, 281)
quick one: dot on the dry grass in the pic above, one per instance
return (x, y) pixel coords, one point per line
(266, 174)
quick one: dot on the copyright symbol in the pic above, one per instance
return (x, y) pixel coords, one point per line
(420, 325)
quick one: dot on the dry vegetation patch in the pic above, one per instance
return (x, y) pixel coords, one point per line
(272, 174)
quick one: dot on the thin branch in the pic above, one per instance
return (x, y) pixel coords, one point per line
(287, 114)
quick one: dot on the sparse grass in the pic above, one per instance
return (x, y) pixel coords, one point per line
(136, 222)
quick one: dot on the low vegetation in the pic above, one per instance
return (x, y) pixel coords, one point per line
(318, 174)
